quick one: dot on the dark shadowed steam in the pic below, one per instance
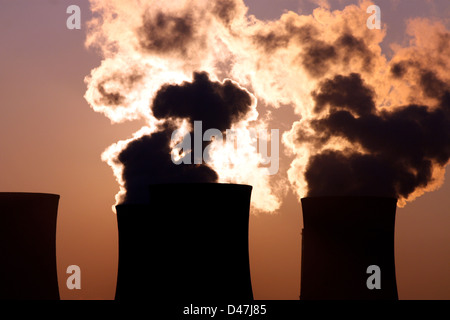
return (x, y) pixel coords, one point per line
(121, 85)
(317, 56)
(398, 148)
(164, 33)
(217, 105)
(147, 160)
(225, 10)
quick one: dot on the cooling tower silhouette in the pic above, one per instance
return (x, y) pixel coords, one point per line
(28, 268)
(190, 243)
(341, 238)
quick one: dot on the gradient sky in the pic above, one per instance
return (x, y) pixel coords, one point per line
(51, 141)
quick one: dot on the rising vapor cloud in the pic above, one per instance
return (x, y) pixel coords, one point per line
(397, 150)
(364, 124)
(147, 160)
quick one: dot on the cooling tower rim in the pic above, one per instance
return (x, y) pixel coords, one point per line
(349, 198)
(132, 205)
(246, 187)
(36, 194)
(374, 211)
(201, 184)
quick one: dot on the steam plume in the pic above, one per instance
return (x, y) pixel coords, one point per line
(148, 160)
(398, 146)
(164, 63)
(398, 149)
(364, 125)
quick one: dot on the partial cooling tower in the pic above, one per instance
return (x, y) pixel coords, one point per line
(189, 244)
(28, 268)
(341, 238)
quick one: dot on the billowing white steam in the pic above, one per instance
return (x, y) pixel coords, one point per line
(148, 44)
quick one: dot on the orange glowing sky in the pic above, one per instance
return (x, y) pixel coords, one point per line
(51, 141)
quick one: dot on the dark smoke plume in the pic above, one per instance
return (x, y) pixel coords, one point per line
(147, 160)
(398, 148)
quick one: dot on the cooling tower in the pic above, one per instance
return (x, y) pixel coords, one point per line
(189, 244)
(341, 238)
(28, 268)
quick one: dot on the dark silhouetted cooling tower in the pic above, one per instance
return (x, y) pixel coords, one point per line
(28, 268)
(341, 238)
(189, 244)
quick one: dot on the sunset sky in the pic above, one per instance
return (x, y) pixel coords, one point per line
(52, 141)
